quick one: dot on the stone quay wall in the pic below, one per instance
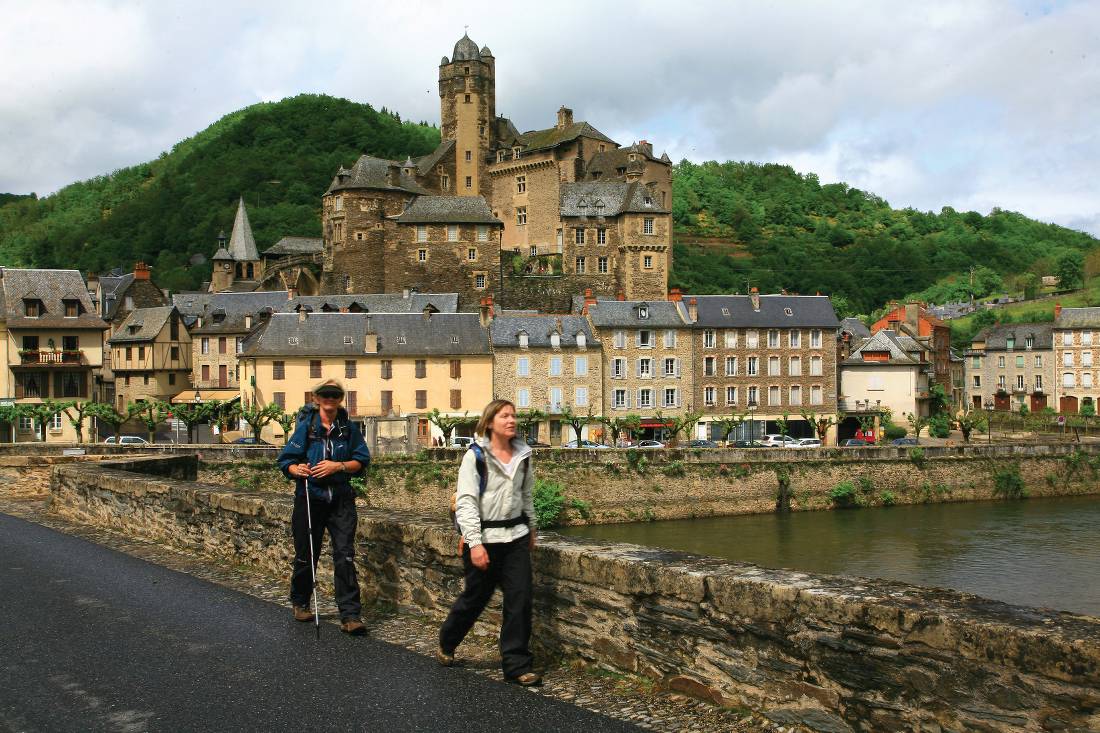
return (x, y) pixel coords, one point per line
(824, 652)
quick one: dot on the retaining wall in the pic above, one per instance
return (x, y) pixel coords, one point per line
(826, 652)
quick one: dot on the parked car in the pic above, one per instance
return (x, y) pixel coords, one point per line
(584, 444)
(904, 441)
(853, 442)
(126, 440)
(702, 444)
(648, 444)
(249, 440)
(461, 441)
(536, 444)
(773, 440)
(806, 443)
(747, 444)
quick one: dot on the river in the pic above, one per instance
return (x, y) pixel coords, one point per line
(1033, 552)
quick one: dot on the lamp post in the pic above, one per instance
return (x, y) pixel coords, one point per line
(752, 423)
(989, 421)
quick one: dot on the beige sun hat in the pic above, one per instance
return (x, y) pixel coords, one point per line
(329, 384)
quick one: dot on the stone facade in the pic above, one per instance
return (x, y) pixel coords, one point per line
(1076, 330)
(151, 356)
(1011, 365)
(826, 652)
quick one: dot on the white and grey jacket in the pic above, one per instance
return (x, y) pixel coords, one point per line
(504, 498)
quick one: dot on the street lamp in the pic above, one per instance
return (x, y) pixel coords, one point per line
(989, 421)
(752, 424)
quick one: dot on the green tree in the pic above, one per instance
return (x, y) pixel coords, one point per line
(108, 414)
(617, 426)
(918, 423)
(729, 424)
(258, 416)
(448, 423)
(676, 425)
(41, 413)
(525, 419)
(577, 421)
(820, 424)
(969, 422)
(192, 414)
(286, 421)
(1071, 270)
(151, 413)
(1030, 283)
(77, 413)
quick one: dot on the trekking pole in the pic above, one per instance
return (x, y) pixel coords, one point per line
(312, 565)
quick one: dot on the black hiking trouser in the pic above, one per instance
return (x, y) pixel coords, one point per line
(340, 519)
(510, 569)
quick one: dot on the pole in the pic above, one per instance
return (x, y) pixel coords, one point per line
(312, 563)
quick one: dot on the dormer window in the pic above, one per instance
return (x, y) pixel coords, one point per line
(1010, 343)
(219, 317)
(523, 341)
(582, 341)
(648, 201)
(788, 312)
(643, 312)
(515, 153)
(1029, 342)
(292, 340)
(555, 340)
(454, 339)
(348, 341)
(72, 307)
(633, 157)
(32, 307)
(501, 156)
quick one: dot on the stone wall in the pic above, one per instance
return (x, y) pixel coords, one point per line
(812, 650)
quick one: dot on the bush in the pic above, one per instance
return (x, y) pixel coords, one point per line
(674, 469)
(844, 495)
(939, 426)
(893, 432)
(1008, 483)
(916, 455)
(551, 504)
(887, 498)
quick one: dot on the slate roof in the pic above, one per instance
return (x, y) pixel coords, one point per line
(370, 172)
(625, 313)
(1078, 318)
(448, 210)
(505, 131)
(242, 247)
(584, 198)
(609, 162)
(552, 137)
(996, 337)
(295, 246)
(903, 350)
(234, 306)
(425, 163)
(465, 50)
(855, 327)
(814, 311)
(376, 302)
(504, 330)
(222, 254)
(149, 322)
(399, 334)
(52, 287)
(112, 292)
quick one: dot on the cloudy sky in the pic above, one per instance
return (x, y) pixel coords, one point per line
(969, 104)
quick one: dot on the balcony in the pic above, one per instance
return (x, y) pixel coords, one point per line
(38, 358)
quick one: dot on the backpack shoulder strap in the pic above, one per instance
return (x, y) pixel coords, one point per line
(482, 469)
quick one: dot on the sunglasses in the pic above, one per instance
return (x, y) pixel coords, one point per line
(330, 395)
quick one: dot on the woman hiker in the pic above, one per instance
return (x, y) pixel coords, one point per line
(497, 540)
(325, 451)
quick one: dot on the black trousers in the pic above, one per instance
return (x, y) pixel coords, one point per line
(510, 569)
(340, 519)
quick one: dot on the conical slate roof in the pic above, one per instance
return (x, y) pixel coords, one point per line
(242, 247)
(465, 50)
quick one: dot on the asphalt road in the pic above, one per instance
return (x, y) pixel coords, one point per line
(95, 640)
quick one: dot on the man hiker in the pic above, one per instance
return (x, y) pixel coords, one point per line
(325, 451)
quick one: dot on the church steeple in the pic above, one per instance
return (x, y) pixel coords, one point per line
(242, 246)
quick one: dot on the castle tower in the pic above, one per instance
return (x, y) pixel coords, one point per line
(467, 107)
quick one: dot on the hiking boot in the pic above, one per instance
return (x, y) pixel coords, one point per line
(302, 613)
(353, 626)
(443, 657)
(527, 679)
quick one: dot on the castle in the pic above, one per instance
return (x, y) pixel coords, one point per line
(529, 218)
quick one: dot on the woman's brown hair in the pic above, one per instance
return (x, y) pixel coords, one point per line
(484, 425)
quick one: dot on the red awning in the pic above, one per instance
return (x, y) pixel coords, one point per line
(655, 424)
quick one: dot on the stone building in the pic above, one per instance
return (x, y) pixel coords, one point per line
(151, 355)
(218, 324)
(238, 266)
(1076, 335)
(391, 364)
(293, 264)
(647, 359)
(52, 339)
(1010, 365)
(914, 320)
(570, 208)
(764, 357)
(408, 301)
(548, 363)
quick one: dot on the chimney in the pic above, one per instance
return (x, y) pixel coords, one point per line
(693, 310)
(393, 174)
(565, 117)
(370, 340)
(589, 299)
(92, 277)
(486, 310)
(302, 315)
(754, 296)
(141, 271)
(912, 314)
(427, 313)
(620, 296)
(248, 323)
(405, 293)
(675, 295)
(1057, 311)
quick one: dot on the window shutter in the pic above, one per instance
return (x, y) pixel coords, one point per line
(308, 398)
(353, 403)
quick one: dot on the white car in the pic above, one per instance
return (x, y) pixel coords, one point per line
(806, 443)
(650, 444)
(461, 441)
(126, 440)
(774, 440)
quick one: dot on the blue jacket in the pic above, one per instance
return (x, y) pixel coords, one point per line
(307, 445)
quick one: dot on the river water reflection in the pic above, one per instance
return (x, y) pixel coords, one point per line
(1035, 552)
